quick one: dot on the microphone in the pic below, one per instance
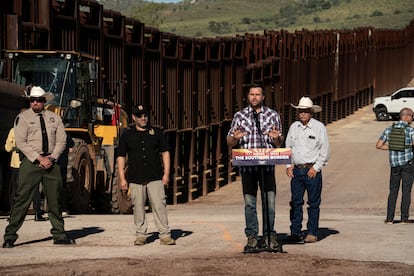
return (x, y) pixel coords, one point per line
(256, 120)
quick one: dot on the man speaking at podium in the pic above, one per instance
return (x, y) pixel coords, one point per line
(257, 126)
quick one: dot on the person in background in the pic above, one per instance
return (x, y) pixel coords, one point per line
(257, 126)
(402, 166)
(40, 136)
(63, 163)
(10, 146)
(145, 147)
(308, 140)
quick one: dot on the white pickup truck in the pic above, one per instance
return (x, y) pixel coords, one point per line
(389, 106)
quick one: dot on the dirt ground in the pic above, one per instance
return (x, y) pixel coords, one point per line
(353, 241)
(238, 264)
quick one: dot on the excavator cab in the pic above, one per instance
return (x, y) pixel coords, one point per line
(94, 123)
(68, 75)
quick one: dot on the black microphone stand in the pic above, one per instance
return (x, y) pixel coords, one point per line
(265, 207)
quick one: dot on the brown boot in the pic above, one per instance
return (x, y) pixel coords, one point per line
(311, 238)
(140, 241)
(167, 241)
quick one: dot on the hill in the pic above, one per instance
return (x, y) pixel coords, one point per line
(210, 18)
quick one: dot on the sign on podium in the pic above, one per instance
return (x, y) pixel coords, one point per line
(261, 156)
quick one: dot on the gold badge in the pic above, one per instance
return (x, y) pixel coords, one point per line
(151, 131)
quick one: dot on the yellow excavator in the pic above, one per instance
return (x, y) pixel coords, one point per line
(94, 123)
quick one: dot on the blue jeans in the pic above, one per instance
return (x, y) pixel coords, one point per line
(251, 180)
(404, 174)
(299, 183)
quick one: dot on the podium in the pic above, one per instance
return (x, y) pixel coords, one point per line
(261, 156)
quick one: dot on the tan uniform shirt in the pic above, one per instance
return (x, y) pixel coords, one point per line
(28, 134)
(10, 146)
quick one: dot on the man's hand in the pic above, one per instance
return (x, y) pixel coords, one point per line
(289, 172)
(45, 162)
(312, 172)
(233, 139)
(274, 133)
(165, 179)
(123, 184)
(237, 134)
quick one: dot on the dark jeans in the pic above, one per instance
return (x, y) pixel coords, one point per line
(299, 183)
(404, 174)
(251, 180)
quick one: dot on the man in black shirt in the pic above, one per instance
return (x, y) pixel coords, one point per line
(144, 147)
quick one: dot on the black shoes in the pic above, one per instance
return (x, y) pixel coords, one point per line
(8, 244)
(39, 217)
(251, 246)
(294, 239)
(65, 241)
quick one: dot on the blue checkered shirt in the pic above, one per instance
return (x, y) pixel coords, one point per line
(399, 158)
(244, 121)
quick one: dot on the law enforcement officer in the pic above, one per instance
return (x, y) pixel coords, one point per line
(145, 147)
(10, 146)
(41, 143)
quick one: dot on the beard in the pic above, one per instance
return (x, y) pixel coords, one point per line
(37, 108)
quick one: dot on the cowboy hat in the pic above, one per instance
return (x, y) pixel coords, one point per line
(37, 92)
(305, 103)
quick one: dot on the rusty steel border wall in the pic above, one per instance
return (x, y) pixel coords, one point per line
(193, 86)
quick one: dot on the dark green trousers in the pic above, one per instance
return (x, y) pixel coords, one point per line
(30, 176)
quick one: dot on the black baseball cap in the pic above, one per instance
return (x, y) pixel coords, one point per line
(140, 110)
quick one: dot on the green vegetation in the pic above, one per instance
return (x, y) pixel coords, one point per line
(210, 18)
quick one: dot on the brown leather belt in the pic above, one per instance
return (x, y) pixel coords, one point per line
(304, 166)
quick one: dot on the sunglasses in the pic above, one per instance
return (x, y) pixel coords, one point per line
(38, 99)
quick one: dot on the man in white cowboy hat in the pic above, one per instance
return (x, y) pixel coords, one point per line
(308, 140)
(40, 136)
(10, 146)
(37, 91)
